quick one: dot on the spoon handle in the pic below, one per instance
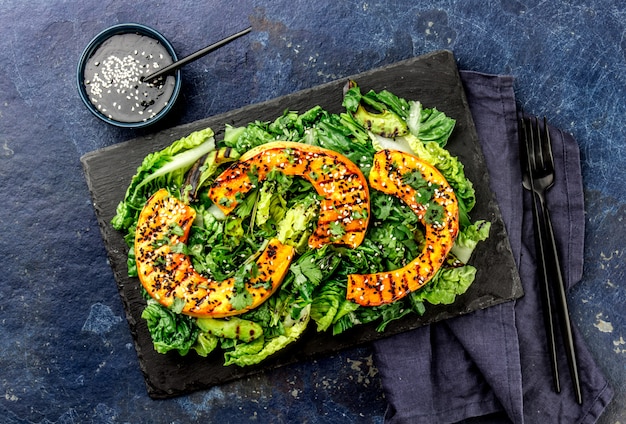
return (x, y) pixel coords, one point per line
(182, 62)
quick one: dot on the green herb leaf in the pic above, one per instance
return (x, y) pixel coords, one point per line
(336, 229)
(241, 300)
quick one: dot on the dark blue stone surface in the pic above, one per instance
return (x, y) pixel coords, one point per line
(66, 354)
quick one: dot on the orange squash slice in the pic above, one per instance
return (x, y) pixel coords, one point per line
(169, 277)
(344, 213)
(438, 212)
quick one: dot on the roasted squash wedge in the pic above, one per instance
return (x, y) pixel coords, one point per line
(169, 277)
(428, 194)
(344, 209)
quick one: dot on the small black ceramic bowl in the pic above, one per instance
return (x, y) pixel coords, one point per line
(111, 72)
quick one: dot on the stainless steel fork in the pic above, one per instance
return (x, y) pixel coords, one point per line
(539, 177)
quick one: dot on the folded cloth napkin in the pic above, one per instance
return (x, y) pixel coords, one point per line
(494, 363)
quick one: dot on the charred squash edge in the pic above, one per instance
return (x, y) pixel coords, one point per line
(168, 276)
(339, 181)
(390, 286)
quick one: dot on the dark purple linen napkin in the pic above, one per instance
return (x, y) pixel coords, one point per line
(493, 363)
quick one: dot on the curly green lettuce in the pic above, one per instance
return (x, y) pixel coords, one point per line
(446, 285)
(468, 238)
(169, 330)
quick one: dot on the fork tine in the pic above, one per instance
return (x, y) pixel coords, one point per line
(538, 147)
(532, 146)
(547, 146)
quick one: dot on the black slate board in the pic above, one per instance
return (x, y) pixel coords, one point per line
(432, 79)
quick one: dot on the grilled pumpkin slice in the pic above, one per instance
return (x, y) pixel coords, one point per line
(428, 194)
(344, 209)
(169, 277)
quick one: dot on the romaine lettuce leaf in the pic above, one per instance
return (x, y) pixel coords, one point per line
(446, 285)
(269, 204)
(169, 330)
(165, 168)
(247, 137)
(326, 304)
(429, 125)
(468, 239)
(205, 344)
(294, 228)
(381, 143)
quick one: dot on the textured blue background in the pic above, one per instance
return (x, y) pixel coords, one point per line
(66, 354)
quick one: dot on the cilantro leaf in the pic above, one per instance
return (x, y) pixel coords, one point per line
(176, 230)
(336, 229)
(242, 298)
(307, 275)
(381, 206)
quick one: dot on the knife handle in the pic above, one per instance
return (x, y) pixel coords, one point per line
(563, 309)
(546, 293)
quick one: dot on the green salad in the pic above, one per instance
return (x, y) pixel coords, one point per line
(281, 207)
